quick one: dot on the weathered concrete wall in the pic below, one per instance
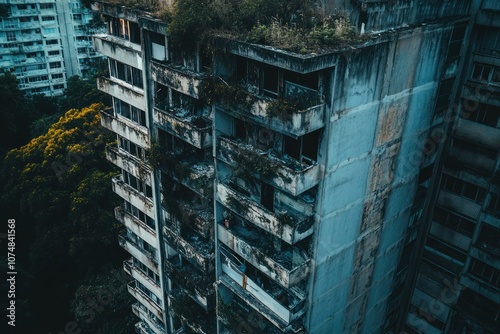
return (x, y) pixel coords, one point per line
(386, 14)
(380, 108)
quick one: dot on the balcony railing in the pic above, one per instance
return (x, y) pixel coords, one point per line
(123, 91)
(146, 257)
(200, 252)
(290, 227)
(192, 316)
(152, 324)
(295, 123)
(182, 80)
(137, 226)
(287, 267)
(129, 163)
(287, 307)
(197, 285)
(478, 133)
(145, 300)
(126, 128)
(192, 129)
(138, 275)
(128, 193)
(288, 174)
(118, 48)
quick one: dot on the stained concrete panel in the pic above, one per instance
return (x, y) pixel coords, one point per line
(352, 133)
(344, 185)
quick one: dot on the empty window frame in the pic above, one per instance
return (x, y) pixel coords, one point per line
(128, 111)
(134, 211)
(304, 148)
(132, 148)
(137, 184)
(454, 222)
(488, 41)
(463, 188)
(494, 205)
(485, 114)
(486, 73)
(129, 74)
(485, 272)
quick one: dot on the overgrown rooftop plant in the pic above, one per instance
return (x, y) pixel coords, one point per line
(294, 25)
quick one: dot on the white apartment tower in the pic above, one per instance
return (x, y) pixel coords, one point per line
(44, 42)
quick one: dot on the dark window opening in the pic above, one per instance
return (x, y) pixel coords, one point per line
(271, 81)
(292, 147)
(310, 145)
(304, 149)
(445, 249)
(267, 196)
(241, 68)
(454, 222)
(240, 131)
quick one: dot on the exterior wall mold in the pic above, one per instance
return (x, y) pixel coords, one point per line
(385, 84)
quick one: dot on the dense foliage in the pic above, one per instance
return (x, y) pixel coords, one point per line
(27, 116)
(295, 25)
(57, 187)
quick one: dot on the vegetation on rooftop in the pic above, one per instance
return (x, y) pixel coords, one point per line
(294, 25)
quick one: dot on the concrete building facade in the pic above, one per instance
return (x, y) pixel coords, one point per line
(44, 42)
(244, 216)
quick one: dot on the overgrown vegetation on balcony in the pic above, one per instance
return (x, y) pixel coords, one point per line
(295, 25)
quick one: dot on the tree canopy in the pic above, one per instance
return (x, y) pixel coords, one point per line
(57, 187)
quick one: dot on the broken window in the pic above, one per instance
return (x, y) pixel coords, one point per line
(303, 149)
(301, 86)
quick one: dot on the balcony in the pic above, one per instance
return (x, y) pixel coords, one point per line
(199, 219)
(125, 92)
(138, 275)
(294, 123)
(152, 324)
(137, 134)
(291, 226)
(279, 306)
(287, 174)
(137, 199)
(118, 48)
(181, 79)
(140, 228)
(458, 204)
(200, 178)
(192, 316)
(144, 256)
(197, 285)
(478, 133)
(287, 267)
(143, 299)
(192, 247)
(192, 129)
(129, 163)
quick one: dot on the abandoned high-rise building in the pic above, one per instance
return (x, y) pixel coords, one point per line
(44, 42)
(350, 189)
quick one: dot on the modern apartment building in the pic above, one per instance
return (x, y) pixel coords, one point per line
(246, 211)
(44, 42)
